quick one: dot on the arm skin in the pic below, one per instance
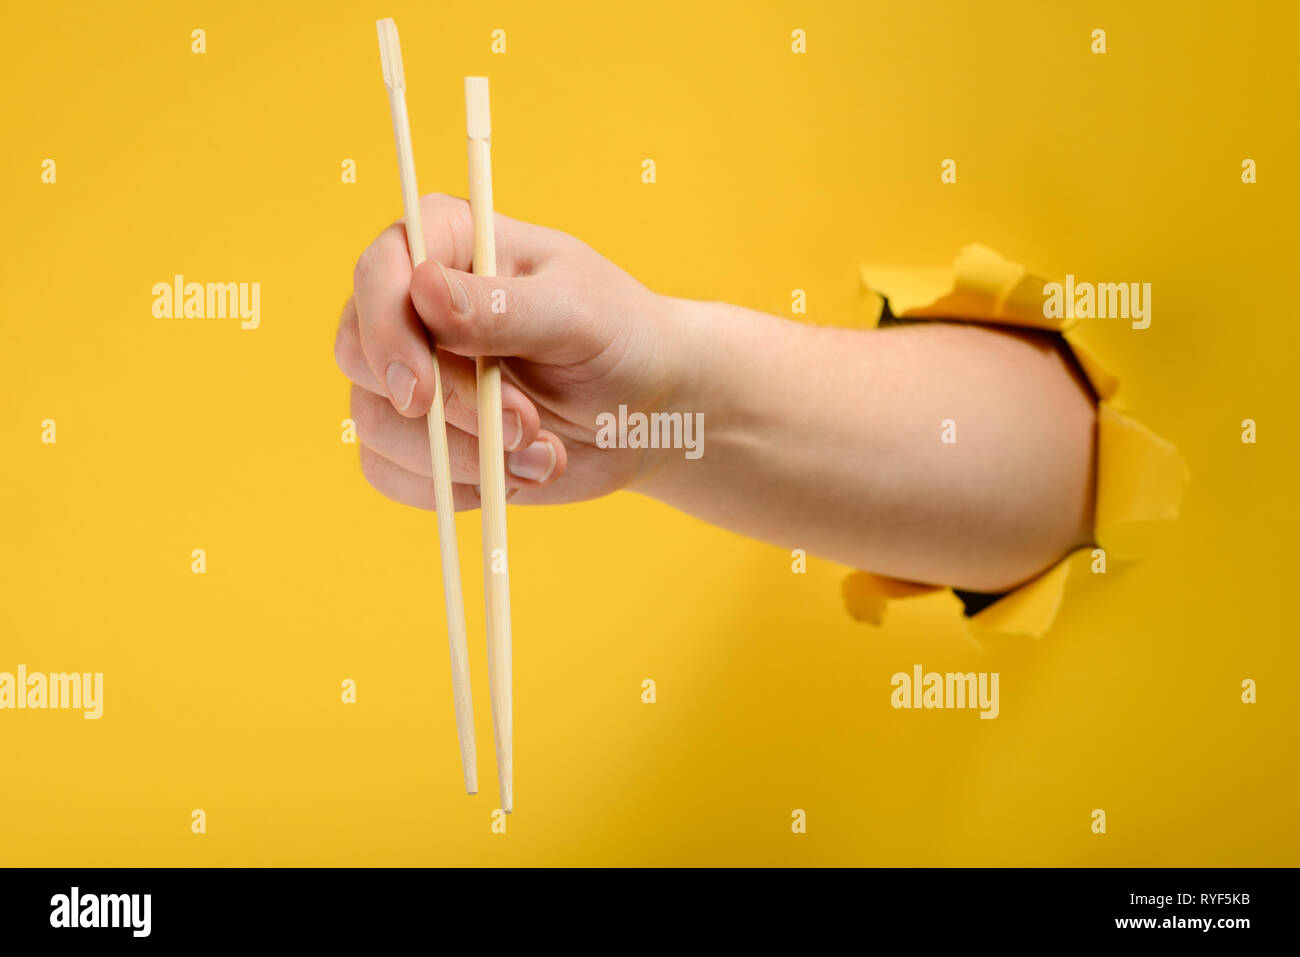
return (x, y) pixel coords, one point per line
(829, 440)
(816, 438)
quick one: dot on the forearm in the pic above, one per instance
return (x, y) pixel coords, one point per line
(832, 440)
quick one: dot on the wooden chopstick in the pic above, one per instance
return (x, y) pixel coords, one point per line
(390, 53)
(492, 475)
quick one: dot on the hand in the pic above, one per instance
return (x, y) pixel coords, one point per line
(819, 438)
(577, 337)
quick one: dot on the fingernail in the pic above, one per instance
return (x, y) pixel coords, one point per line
(401, 385)
(459, 297)
(512, 429)
(533, 464)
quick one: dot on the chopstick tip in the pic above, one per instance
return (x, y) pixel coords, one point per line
(390, 54)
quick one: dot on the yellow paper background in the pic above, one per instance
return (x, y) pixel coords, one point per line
(775, 172)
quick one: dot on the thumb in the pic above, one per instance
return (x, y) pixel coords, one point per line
(500, 315)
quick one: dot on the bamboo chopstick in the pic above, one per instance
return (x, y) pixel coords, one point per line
(390, 53)
(492, 475)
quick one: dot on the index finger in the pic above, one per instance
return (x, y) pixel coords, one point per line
(393, 339)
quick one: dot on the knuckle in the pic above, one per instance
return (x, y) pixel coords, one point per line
(368, 412)
(457, 408)
(464, 455)
(465, 498)
(347, 349)
(372, 468)
(378, 257)
(364, 267)
(576, 308)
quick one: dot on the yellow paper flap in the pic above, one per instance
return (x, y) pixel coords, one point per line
(981, 286)
(1030, 609)
(1140, 476)
(866, 595)
(1140, 483)
(906, 286)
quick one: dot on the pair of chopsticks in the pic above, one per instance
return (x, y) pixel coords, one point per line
(492, 481)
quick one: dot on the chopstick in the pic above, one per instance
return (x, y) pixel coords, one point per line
(390, 53)
(492, 480)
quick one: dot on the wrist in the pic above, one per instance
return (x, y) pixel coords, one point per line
(684, 331)
(717, 366)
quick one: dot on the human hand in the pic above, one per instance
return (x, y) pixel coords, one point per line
(577, 336)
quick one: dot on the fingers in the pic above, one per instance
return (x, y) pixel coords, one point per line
(537, 465)
(349, 355)
(519, 416)
(519, 419)
(393, 340)
(533, 317)
(407, 488)
(539, 460)
(522, 248)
